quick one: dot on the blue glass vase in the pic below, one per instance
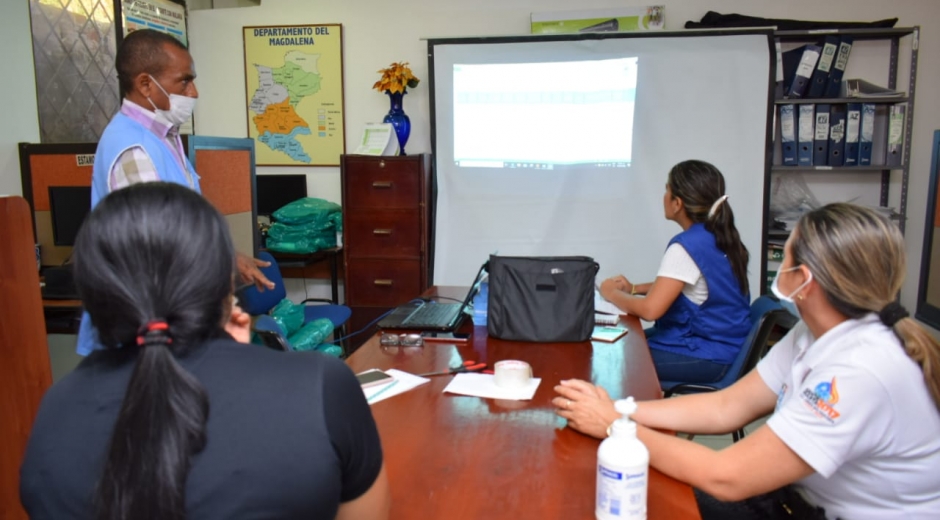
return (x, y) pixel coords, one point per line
(398, 118)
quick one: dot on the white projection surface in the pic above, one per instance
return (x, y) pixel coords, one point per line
(532, 99)
(562, 147)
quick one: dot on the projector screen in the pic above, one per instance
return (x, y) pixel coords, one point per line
(561, 145)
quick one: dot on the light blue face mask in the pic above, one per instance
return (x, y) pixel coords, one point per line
(787, 301)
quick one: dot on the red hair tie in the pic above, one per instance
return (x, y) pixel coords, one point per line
(152, 326)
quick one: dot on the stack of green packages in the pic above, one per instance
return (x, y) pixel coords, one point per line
(305, 226)
(304, 336)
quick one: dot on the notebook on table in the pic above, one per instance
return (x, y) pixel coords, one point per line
(432, 315)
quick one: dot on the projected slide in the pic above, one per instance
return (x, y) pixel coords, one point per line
(549, 115)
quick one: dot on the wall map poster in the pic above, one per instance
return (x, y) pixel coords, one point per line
(294, 89)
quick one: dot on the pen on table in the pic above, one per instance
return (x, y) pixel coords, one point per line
(380, 392)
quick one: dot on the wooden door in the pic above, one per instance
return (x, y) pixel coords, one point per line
(25, 373)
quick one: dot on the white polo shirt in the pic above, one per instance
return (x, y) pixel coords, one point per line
(855, 407)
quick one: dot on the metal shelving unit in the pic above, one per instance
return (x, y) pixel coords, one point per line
(894, 38)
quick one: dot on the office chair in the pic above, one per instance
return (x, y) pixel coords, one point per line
(766, 313)
(257, 303)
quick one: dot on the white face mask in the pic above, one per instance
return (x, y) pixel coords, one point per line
(181, 107)
(786, 301)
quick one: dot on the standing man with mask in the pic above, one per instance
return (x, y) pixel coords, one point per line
(157, 76)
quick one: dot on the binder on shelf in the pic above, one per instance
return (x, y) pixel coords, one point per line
(790, 61)
(821, 136)
(834, 89)
(804, 135)
(837, 135)
(788, 134)
(820, 80)
(853, 115)
(866, 131)
(804, 71)
(895, 147)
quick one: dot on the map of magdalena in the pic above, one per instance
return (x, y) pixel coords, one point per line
(275, 102)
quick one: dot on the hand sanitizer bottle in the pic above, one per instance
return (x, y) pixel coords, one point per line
(622, 469)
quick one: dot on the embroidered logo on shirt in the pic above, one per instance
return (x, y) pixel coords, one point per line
(822, 399)
(780, 395)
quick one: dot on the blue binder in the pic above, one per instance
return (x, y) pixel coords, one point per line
(837, 135)
(804, 134)
(838, 67)
(804, 71)
(820, 79)
(790, 60)
(866, 131)
(788, 134)
(853, 116)
(821, 136)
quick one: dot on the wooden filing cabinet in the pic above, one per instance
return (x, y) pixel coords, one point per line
(386, 233)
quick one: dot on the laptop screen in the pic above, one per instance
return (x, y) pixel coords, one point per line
(474, 288)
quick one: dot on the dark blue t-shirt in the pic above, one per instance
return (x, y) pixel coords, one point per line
(290, 435)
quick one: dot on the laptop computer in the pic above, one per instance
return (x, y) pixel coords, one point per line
(432, 315)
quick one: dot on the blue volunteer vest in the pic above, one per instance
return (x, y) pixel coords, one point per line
(715, 330)
(123, 133)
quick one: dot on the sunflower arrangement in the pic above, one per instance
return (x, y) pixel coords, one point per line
(396, 78)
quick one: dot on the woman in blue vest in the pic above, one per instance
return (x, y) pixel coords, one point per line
(700, 299)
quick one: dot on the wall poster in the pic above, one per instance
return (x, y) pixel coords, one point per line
(160, 15)
(294, 94)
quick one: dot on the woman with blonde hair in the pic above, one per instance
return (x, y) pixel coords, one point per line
(853, 392)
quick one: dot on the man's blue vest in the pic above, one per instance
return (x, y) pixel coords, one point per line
(716, 329)
(123, 133)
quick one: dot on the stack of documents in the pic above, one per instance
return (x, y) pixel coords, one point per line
(402, 383)
(859, 88)
(484, 385)
(602, 305)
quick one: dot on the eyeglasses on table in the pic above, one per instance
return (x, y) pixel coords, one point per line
(401, 340)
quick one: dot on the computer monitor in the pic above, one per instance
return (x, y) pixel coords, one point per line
(274, 191)
(69, 205)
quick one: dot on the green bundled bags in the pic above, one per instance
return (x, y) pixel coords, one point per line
(304, 336)
(305, 226)
(312, 335)
(289, 316)
(308, 210)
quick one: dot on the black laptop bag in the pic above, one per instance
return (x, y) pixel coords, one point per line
(543, 299)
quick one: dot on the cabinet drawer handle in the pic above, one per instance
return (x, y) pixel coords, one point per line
(382, 184)
(381, 164)
(381, 231)
(383, 282)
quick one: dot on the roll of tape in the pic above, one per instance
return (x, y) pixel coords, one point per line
(512, 373)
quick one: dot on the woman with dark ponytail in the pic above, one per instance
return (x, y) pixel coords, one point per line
(699, 300)
(852, 393)
(174, 419)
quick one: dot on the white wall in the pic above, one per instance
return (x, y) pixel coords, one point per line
(17, 92)
(380, 32)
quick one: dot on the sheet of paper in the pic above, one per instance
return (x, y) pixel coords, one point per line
(402, 383)
(378, 139)
(484, 385)
(602, 305)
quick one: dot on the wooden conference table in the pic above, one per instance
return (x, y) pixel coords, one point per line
(460, 457)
